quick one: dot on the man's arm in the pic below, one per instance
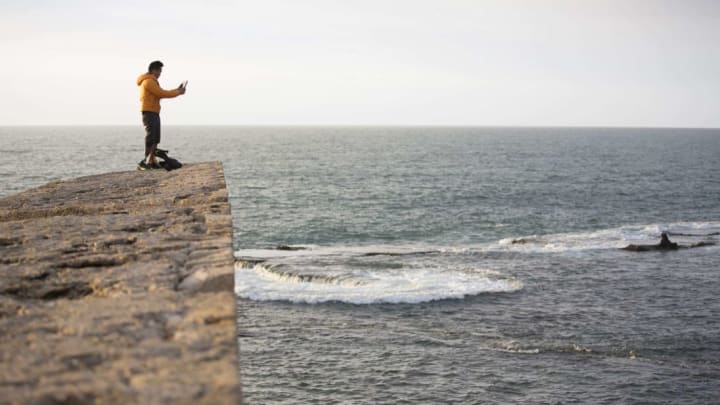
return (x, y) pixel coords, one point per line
(153, 87)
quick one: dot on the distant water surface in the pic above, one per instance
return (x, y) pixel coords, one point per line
(450, 265)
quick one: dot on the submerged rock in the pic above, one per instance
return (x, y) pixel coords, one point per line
(289, 248)
(664, 245)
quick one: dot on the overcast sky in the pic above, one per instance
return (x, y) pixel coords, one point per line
(365, 62)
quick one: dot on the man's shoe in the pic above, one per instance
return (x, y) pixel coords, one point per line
(143, 166)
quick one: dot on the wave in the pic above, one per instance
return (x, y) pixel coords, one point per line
(275, 273)
(513, 346)
(686, 233)
(267, 282)
(294, 251)
(417, 273)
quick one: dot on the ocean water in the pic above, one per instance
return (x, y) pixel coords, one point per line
(451, 265)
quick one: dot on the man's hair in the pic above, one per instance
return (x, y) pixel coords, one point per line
(155, 66)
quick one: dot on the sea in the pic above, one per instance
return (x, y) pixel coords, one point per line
(450, 265)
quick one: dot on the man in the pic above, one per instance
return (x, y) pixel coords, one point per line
(150, 95)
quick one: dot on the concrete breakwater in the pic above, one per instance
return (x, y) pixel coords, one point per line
(118, 288)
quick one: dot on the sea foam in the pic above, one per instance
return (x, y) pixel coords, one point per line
(280, 282)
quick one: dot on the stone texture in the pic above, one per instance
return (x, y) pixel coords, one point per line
(118, 288)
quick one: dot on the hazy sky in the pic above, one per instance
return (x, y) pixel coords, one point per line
(365, 62)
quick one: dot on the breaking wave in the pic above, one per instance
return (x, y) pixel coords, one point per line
(685, 233)
(360, 276)
(420, 273)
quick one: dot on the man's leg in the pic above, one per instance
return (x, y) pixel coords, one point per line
(152, 136)
(150, 157)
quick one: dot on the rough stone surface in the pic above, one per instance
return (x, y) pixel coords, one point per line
(118, 288)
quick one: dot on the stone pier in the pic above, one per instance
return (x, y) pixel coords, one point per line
(118, 288)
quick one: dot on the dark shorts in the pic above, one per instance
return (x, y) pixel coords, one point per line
(151, 120)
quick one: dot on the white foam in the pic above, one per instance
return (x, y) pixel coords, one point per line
(419, 273)
(612, 238)
(375, 286)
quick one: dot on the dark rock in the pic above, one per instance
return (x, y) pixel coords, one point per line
(664, 245)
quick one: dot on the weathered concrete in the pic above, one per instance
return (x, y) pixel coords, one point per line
(118, 288)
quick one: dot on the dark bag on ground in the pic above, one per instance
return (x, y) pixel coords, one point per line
(167, 163)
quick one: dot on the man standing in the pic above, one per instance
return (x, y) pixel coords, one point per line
(150, 95)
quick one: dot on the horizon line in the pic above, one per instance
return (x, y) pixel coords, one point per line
(374, 126)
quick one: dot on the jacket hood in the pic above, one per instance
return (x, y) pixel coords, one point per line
(144, 77)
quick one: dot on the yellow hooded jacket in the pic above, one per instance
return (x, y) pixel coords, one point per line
(151, 93)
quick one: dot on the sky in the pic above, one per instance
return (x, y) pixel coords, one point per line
(647, 63)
